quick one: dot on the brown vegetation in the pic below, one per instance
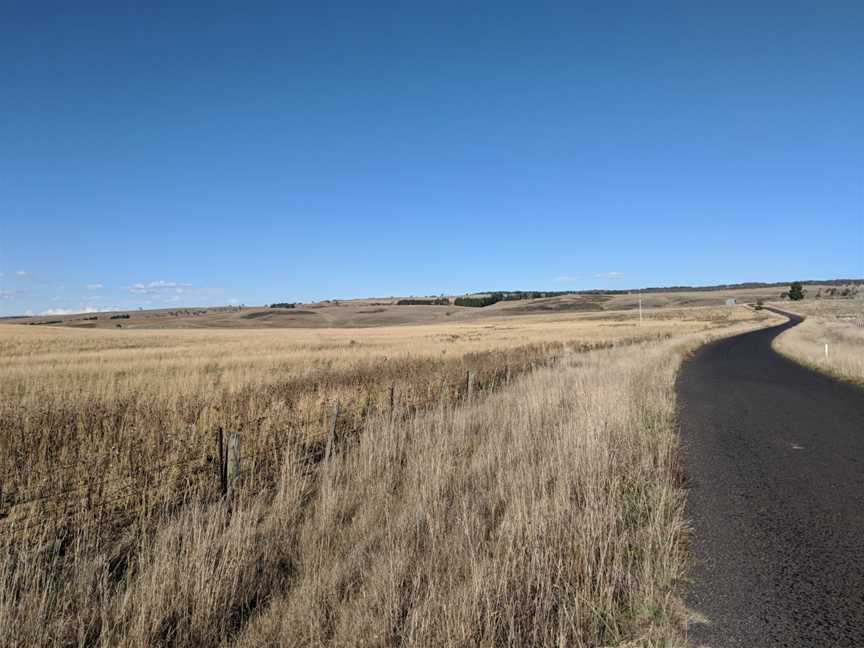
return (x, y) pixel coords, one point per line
(545, 512)
(363, 313)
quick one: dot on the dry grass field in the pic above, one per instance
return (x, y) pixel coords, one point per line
(839, 323)
(546, 510)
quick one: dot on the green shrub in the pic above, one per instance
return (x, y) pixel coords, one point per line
(796, 292)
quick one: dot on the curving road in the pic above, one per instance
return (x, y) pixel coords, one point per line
(774, 458)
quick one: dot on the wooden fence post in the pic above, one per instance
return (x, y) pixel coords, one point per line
(223, 478)
(392, 401)
(232, 468)
(332, 436)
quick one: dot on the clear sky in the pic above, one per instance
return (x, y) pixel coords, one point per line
(153, 154)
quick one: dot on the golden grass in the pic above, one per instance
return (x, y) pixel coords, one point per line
(78, 403)
(839, 323)
(545, 512)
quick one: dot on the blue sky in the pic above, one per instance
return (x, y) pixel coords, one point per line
(155, 155)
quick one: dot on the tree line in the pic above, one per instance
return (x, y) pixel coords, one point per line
(437, 301)
(479, 301)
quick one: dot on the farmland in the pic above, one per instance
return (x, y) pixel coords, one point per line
(387, 311)
(435, 521)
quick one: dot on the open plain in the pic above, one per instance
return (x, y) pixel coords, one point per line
(519, 484)
(431, 325)
(386, 311)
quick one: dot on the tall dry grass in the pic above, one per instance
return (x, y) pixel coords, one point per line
(91, 422)
(839, 323)
(547, 515)
(547, 512)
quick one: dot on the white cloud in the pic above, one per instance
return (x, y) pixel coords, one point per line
(28, 313)
(23, 274)
(609, 275)
(93, 286)
(159, 287)
(78, 311)
(7, 294)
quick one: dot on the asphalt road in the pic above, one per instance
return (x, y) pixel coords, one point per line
(774, 460)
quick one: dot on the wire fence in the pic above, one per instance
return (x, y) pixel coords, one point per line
(89, 492)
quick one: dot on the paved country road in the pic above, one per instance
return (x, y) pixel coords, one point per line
(774, 462)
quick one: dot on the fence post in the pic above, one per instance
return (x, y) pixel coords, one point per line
(469, 385)
(392, 401)
(232, 464)
(332, 436)
(223, 478)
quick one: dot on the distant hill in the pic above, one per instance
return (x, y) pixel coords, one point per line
(391, 311)
(673, 289)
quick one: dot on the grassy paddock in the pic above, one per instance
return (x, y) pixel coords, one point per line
(93, 421)
(546, 512)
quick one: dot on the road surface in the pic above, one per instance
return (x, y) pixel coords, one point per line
(774, 462)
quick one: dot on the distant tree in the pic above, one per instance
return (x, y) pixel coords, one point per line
(796, 292)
